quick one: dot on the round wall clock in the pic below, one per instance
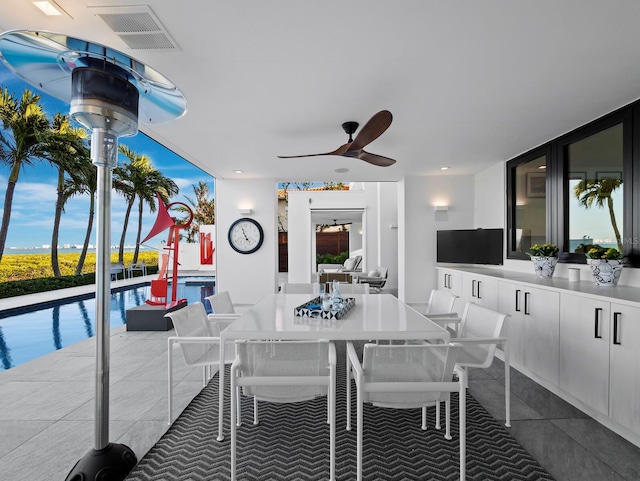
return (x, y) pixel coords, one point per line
(245, 236)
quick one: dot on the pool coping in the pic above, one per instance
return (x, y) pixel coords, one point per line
(48, 303)
(42, 300)
(14, 305)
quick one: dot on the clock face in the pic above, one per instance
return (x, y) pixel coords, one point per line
(245, 236)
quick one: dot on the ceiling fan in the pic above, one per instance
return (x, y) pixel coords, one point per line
(336, 223)
(354, 147)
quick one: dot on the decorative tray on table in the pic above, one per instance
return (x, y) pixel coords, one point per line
(313, 308)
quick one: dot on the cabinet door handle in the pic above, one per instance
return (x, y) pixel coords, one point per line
(616, 318)
(526, 303)
(596, 334)
(517, 300)
(478, 289)
(473, 288)
(448, 281)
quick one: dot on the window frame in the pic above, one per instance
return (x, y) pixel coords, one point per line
(543, 151)
(557, 183)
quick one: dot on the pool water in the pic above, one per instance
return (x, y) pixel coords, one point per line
(33, 333)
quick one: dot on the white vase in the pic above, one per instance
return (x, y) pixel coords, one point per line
(606, 272)
(544, 266)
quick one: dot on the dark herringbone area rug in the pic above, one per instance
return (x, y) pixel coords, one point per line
(291, 442)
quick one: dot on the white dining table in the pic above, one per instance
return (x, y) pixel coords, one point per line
(374, 317)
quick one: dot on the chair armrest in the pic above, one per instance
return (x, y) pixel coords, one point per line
(367, 279)
(479, 340)
(222, 321)
(240, 309)
(194, 340)
(442, 319)
(353, 357)
(223, 317)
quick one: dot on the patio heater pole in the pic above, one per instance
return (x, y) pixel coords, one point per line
(104, 101)
(104, 149)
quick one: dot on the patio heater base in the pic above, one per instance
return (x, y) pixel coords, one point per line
(112, 463)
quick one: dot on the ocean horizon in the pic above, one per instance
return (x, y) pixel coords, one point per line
(47, 250)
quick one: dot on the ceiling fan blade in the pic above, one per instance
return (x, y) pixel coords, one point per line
(376, 159)
(339, 151)
(372, 130)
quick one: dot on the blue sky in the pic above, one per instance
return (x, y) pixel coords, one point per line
(35, 194)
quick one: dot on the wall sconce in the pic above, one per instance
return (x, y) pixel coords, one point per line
(440, 208)
(245, 211)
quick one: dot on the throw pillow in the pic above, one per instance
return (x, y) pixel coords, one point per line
(373, 273)
(350, 263)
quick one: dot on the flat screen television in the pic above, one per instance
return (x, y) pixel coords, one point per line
(470, 246)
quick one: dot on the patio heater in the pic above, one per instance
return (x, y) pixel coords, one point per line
(107, 91)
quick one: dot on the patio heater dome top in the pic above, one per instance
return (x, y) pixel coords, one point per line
(47, 60)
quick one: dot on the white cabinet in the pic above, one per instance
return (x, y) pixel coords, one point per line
(533, 328)
(481, 290)
(584, 350)
(624, 366)
(450, 280)
(600, 362)
(579, 341)
(509, 302)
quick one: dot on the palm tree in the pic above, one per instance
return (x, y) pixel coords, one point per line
(592, 191)
(138, 179)
(126, 179)
(203, 210)
(85, 182)
(21, 143)
(70, 157)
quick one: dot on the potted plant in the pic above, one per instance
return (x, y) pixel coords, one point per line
(544, 258)
(606, 265)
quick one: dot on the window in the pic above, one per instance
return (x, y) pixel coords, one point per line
(577, 191)
(528, 186)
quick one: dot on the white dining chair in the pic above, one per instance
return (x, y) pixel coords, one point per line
(199, 342)
(403, 377)
(222, 305)
(284, 372)
(481, 331)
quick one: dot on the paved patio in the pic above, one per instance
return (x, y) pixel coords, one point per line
(47, 409)
(47, 405)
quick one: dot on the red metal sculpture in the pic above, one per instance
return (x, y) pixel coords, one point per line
(159, 286)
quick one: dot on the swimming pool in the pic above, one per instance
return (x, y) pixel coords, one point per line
(28, 333)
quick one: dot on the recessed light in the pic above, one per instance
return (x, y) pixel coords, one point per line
(444, 167)
(542, 167)
(48, 8)
(341, 170)
(238, 172)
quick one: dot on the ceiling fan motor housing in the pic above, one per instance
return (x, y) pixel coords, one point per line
(350, 127)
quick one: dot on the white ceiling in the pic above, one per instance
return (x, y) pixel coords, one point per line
(469, 82)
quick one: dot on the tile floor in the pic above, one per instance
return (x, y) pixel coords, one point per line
(47, 412)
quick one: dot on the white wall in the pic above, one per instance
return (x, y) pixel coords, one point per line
(490, 196)
(248, 277)
(387, 209)
(418, 223)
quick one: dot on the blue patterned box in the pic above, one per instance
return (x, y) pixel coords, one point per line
(310, 309)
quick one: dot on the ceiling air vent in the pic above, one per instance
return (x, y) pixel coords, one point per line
(137, 26)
